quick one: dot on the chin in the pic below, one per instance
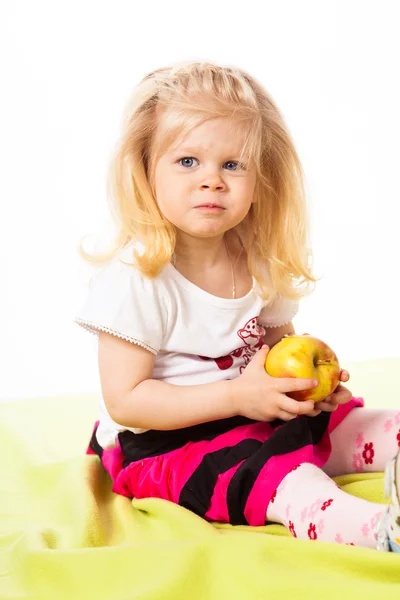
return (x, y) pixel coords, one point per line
(209, 231)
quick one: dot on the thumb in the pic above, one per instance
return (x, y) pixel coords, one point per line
(261, 355)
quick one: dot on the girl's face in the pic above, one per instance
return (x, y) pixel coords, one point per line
(200, 185)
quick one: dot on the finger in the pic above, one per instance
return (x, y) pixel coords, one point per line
(314, 413)
(344, 375)
(293, 384)
(261, 355)
(295, 407)
(333, 396)
(326, 406)
(342, 397)
(286, 416)
(331, 400)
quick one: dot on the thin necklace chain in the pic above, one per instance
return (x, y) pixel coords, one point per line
(233, 267)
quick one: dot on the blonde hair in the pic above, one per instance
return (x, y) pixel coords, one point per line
(274, 233)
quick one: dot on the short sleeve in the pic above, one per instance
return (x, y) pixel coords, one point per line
(126, 304)
(279, 312)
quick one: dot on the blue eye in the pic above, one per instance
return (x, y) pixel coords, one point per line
(187, 158)
(233, 162)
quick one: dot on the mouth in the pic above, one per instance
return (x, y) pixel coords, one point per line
(211, 206)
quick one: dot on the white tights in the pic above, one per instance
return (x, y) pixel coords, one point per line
(310, 504)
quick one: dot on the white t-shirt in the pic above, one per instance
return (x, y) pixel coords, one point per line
(195, 337)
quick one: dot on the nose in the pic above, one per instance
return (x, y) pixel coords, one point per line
(213, 182)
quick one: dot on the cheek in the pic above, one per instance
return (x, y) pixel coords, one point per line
(245, 188)
(171, 197)
(163, 184)
(243, 196)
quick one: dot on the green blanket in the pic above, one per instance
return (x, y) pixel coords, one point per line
(64, 534)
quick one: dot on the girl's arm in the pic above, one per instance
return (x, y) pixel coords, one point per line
(134, 399)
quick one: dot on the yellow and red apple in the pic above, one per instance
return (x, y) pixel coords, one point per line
(306, 357)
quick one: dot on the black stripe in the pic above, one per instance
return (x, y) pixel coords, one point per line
(94, 444)
(197, 492)
(291, 436)
(153, 443)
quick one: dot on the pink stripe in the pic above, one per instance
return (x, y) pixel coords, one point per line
(342, 411)
(112, 460)
(218, 510)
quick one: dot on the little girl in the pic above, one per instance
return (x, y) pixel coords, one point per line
(205, 276)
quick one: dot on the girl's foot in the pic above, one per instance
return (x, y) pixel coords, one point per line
(388, 528)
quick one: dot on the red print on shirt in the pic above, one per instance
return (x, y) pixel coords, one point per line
(252, 335)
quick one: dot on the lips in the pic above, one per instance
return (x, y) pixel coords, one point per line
(209, 205)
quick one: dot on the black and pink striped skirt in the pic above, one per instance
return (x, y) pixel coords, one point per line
(223, 471)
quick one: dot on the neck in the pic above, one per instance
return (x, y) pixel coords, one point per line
(202, 252)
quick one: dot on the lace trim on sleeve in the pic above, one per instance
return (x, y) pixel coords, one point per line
(275, 326)
(288, 319)
(95, 328)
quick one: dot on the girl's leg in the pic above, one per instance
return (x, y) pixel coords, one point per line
(364, 441)
(312, 506)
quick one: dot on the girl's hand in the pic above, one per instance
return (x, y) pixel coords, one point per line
(256, 395)
(341, 395)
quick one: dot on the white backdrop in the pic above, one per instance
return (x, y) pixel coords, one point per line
(333, 69)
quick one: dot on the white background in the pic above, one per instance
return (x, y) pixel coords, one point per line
(67, 70)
